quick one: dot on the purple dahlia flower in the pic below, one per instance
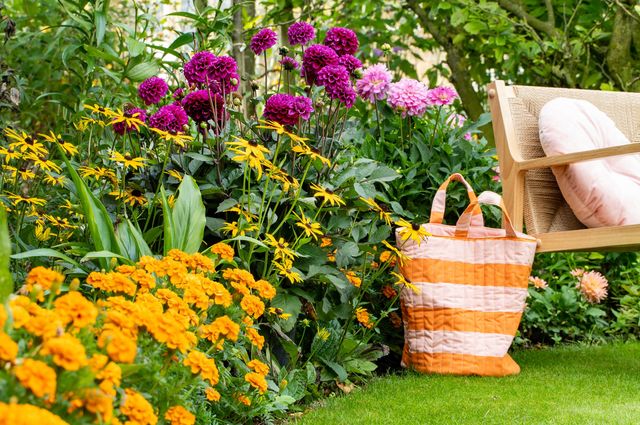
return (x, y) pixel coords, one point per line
(263, 40)
(344, 93)
(350, 62)
(178, 93)
(218, 73)
(196, 71)
(171, 118)
(342, 40)
(287, 109)
(152, 90)
(289, 63)
(200, 106)
(300, 33)
(315, 58)
(121, 128)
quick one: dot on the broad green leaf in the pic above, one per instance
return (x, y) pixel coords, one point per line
(189, 217)
(96, 216)
(100, 22)
(185, 38)
(46, 252)
(131, 242)
(142, 71)
(6, 283)
(337, 369)
(135, 47)
(101, 254)
(474, 27)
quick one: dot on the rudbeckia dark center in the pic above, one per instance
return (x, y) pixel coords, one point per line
(415, 227)
(136, 193)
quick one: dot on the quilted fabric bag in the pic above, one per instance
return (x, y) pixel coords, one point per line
(470, 290)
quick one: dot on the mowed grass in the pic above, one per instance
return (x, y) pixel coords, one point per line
(570, 385)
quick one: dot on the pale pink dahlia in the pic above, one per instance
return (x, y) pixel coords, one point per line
(538, 282)
(408, 96)
(442, 95)
(374, 83)
(593, 286)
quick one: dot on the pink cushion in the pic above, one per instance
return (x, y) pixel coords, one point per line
(602, 192)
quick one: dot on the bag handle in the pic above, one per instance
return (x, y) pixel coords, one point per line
(485, 198)
(440, 201)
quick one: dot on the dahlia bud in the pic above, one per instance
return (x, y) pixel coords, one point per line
(284, 51)
(386, 47)
(254, 85)
(237, 102)
(185, 127)
(234, 81)
(203, 125)
(357, 73)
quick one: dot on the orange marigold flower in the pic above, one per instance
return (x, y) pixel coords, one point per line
(325, 242)
(223, 251)
(37, 377)
(8, 348)
(97, 362)
(178, 415)
(110, 377)
(265, 289)
(67, 351)
(137, 409)
(239, 275)
(3, 316)
(99, 403)
(144, 279)
(27, 414)
(243, 399)
(385, 256)
(150, 265)
(255, 338)
(120, 347)
(112, 282)
(205, 366)
(199, 262)
(593, 286)
(353, 278)
(212, 394)
(388, 291)
(46, 278)
(73, 307)
(258, 367)
(252, 305)
(216, 290)
(362, 315)
(538, 282)
(44, 323)
(257, 381)
(196, 296)
(222, 326)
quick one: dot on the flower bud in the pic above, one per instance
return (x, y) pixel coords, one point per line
(74, 285)
(254, 85)
(284, 51)
(357, 73)
(36, 291)
(386, 47)
(185, 127)
(203, 125)
(237, 102)
(234, 81)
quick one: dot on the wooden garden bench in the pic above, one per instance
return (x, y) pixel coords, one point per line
(529, 187)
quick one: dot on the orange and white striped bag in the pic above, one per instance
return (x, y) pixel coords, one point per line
(471, 286)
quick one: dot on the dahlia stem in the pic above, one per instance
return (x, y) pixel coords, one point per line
(380, 132)
(266, 75)
(435, 126)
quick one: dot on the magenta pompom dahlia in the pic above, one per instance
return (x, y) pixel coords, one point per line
(121, 127)
(287, 109)
(345, 94)
(300, 33)
(196, 71)
(171, 118)
(203, 105)
(342, 40)
(315, 58)
(263, 40)
(408, 96)
(374, 83)
(442, 95)
(289, 63)
(218, 73)
(332, 76)
(152, 90)
(350, 62)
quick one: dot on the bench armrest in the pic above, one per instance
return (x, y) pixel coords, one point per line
(570, 158)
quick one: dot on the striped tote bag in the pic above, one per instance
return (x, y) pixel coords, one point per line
(470, 290)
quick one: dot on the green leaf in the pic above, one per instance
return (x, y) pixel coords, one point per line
(96, 216)
(474, 27)
(142, 71)
(46, 252)
(189, 217)
(101, 254)
(135, 47)
(100, 21)
(338, 370)
(183, 39)
(131, 242)
(6, 283)
(167, 219)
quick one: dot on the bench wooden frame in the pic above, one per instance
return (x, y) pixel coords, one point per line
(525, 171)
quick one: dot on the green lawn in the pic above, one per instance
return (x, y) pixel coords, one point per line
(569, 385)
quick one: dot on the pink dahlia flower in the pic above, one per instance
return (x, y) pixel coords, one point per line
(374, 83)
(300, 33)
(442, 95)
(408, 96)
(263, 40)
(593, 286)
